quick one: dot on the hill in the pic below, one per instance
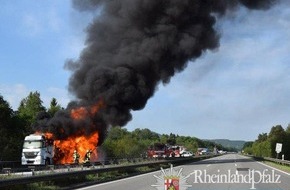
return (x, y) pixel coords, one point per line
(236, 144)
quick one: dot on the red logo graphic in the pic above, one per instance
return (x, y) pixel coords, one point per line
(171, 184)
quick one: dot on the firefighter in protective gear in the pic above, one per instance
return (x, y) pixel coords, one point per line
(88, 156)
(76, 157)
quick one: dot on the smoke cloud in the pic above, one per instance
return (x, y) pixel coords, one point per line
(131, 47)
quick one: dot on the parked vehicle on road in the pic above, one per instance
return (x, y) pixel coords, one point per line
(186, 154)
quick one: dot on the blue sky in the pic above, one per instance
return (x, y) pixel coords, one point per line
(236, 92)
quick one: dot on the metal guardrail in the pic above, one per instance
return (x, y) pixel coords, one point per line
(15, 166)
(10, 164)
(279, 161)
(92, 170)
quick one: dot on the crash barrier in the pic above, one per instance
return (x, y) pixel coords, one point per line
(10, 164)
(17, 167)
(92, 169)
(278, 161)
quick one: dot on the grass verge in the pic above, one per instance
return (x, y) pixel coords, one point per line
(278, 166)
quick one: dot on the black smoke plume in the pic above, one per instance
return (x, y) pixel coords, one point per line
(131, 47)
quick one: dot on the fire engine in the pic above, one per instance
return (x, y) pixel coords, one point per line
(158, 150)
(176, 150)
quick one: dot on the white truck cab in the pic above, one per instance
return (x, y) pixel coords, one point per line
(37, 150)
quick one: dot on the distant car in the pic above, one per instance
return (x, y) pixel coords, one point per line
(187, 154)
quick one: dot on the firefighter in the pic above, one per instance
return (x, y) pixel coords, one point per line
(76, 157)
(88, 156)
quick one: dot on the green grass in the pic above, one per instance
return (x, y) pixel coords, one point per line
(285, 168)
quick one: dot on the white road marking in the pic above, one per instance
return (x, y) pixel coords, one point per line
(274, 168)
(128, 178)
(110, 182)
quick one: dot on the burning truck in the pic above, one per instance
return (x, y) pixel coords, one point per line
(47, 147)
(42, 149)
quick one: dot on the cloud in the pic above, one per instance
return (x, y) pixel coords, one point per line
(60, 94)
(42, 21)
(54, 21)
(31, 24)
(13, 94)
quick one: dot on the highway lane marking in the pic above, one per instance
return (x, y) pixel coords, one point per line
(133, 177)
(119, 180)
(208, 165)
(274, 168)
(236, 165)
(270, 167)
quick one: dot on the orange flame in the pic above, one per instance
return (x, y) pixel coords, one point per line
(83, 112)
(81, 143)
(64, 148)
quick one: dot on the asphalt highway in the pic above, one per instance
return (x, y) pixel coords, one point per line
(226, 172)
